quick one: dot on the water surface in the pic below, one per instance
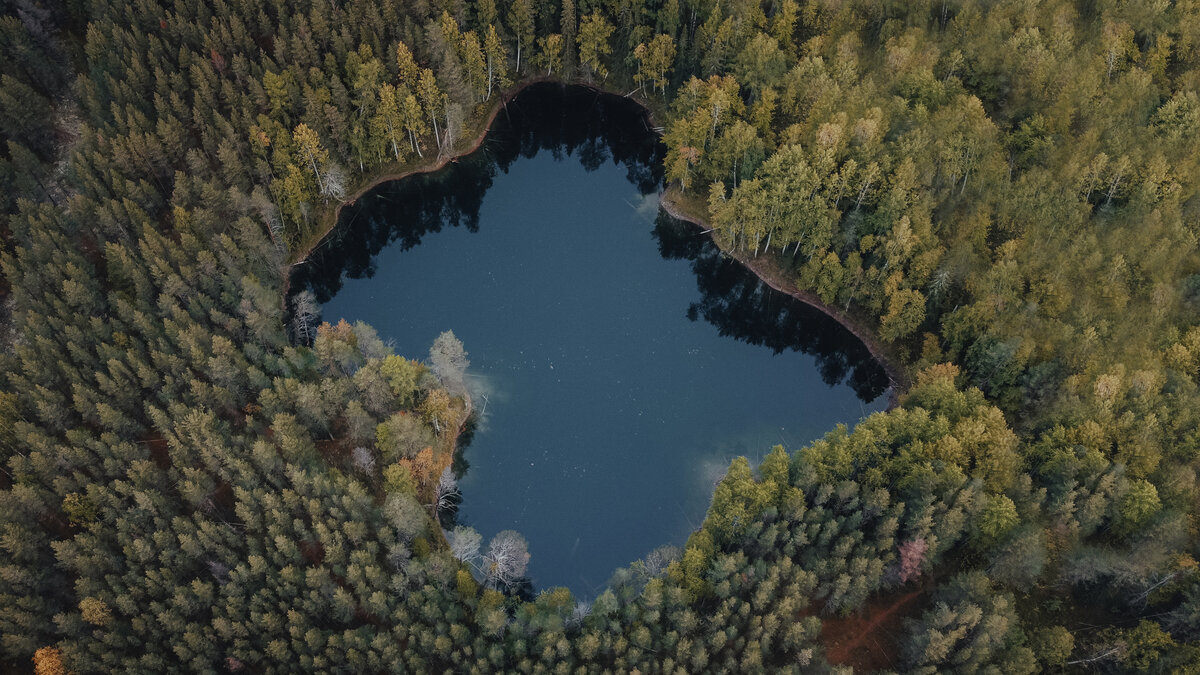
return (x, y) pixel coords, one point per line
(620, 360)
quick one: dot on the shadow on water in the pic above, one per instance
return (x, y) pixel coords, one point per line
(581, 334)
(741, 306)
(597, 129)
(566, 121)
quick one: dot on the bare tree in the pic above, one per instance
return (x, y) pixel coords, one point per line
(398, 556)
(464, 544)
(448, 496)
(260, 201)
(305, 315)
(579, 613)
(219, 571)
(658, 559)
(454, 122)
(334, 185)
(506, 560)
(364, 459)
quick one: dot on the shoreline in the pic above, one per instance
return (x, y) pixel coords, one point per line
(441, 161)
(763, 268)
(767, 271)
(333, 218)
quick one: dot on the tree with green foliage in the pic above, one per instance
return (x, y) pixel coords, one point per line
(388, 122)
(432, 101)
(969, 629)
(979, 184)
(520, 22)
(594, 48)
(497, 61)
(655, 60)
(551, 56)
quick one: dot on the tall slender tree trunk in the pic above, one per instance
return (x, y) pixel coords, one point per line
(313, 160)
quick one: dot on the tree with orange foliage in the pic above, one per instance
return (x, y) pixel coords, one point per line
(426, 468)
(337, 347)
(48, 661)
(436, 409)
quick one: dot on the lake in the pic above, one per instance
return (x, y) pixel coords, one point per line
(619, 360)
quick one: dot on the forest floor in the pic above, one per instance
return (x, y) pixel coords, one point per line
(869, 639)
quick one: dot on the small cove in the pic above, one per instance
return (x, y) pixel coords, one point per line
(619, 359)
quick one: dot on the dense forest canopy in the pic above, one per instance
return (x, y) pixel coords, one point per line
(1004, 193)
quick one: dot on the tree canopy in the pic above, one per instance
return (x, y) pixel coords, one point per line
(199, 475)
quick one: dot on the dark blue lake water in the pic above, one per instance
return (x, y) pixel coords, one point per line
(619, 359)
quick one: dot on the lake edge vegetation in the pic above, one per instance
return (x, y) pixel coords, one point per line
(192, 483)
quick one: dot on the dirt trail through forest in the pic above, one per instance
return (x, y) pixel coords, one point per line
(868, 640)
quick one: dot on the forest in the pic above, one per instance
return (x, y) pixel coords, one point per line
(198, 477)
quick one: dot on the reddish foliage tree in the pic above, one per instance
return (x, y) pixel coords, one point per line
(912, 554)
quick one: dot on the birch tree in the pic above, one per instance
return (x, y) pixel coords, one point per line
(431, 98)
(654, 62)
(520, 22)
(497, 60)
(594, 32)
(552, 52)
(507, 560)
